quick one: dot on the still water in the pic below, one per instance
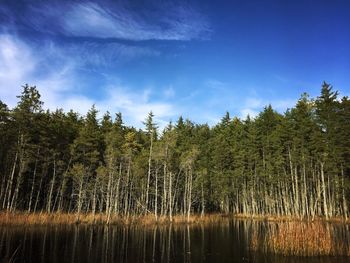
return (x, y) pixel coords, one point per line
(222, 242)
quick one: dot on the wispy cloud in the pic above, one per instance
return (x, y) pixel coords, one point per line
(156, 20)
(217, 84)
(169, 92)
(103, 54)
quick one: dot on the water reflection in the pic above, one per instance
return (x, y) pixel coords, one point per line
(228, 241)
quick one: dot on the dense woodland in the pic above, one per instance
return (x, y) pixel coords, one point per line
(291, 164)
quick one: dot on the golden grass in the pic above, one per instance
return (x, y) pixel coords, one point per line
(274, 218)
(22, 218)
(300, 239)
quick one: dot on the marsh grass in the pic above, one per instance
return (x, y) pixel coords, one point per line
(21, 218)
(301, 239)
(273, 218)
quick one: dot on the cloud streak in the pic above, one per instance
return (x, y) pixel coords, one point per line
(112, 20)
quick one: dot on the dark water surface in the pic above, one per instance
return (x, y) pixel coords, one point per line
(223, 242)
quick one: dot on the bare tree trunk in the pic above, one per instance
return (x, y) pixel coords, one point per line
(22, 165)
(164, 197)
(165, 172)
(9, 185)
(63, 187)
(324, 191)
(51, 186)
(170, 196)
(149, 171)
(189, 202)
(38, 193)
(94, 200)
(3, 188)
(80, 199)
(126, 199)
(117, 194)
(203, 201)
(156, 197)
(32, 188)
(305, 197)
(109, 186)
(345, 206)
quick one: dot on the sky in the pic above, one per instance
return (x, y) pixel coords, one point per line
(197, 59)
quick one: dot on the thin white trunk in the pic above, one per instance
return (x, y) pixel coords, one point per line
(51, 187)
(149, 171)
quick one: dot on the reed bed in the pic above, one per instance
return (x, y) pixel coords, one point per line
(22, 218)
(300, 239)
(274, 218)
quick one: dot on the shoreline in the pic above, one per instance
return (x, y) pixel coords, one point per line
(19, 218)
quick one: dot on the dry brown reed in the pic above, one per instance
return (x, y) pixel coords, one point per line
(274, 218)
(22, 218)
(300, 239)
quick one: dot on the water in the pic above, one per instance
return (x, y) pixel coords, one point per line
(222, 242)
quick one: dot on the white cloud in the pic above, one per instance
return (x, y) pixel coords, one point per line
(254, 103)
(169, 92)
(284, 104)
(79, 103)
(136, 105)
(252, 106)
(20, 64)
(15, 66)
(248, 111)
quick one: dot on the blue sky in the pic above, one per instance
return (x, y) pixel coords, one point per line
(198, 59)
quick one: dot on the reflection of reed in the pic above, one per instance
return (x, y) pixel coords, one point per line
(74, 245)
(188, 251)
(154, 244)
(300, 239)
(169, 243)
(44, 246)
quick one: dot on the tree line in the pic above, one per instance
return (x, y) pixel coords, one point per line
(291, 164)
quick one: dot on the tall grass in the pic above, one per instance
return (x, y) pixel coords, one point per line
(301, 239)
(22, 218)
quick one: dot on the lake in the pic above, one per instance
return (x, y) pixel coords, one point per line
(229, 241)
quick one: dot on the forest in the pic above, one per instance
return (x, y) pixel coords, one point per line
(293, 164)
